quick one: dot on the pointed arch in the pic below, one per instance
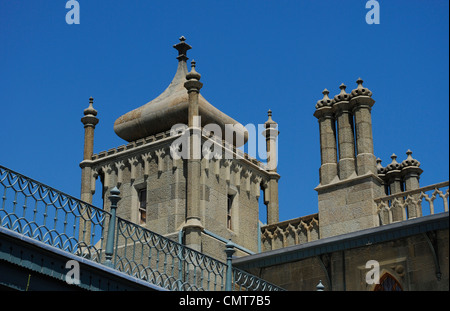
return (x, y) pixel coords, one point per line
(388, 283)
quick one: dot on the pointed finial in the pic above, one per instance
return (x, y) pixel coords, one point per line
(360, 89)
(193, 74)
(342, 96)
(325, 101)
(410, 161)
(359, 82)
(320, 287)
(90, 110)
(380, 168)
(269, 121)
(394, 165)
(182, 47)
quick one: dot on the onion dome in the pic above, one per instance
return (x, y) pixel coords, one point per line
(409, 161)
(325, 101)
(361, 90)
(171, 108)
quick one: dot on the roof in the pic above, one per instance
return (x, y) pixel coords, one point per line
(170, 108)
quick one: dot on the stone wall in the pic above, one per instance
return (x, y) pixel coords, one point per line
(409, 260)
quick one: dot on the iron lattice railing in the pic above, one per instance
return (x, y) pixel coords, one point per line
(45, 214)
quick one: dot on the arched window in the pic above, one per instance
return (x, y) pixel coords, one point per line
(388, 283)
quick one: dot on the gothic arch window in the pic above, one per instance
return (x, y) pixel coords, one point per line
(388, 283)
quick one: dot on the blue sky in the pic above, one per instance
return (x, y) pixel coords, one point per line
(253, 55)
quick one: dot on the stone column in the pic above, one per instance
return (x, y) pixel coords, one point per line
(411, 172)
(394, 179)
(193, 226)
(87, 182)
(393, 175)
(328, 151)
(90, 121)
(346, 138)
(362, 103)
(271, 133)
(272, 205)
(411, 175)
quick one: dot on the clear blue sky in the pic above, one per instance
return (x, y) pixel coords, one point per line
(253, 55)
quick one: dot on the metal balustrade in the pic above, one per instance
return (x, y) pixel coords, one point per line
(45, 214)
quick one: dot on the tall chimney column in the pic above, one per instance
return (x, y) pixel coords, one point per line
(328, 152)
(362, 103)
(411, 175)
(346, 138)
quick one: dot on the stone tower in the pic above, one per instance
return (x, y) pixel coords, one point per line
(179, 177)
